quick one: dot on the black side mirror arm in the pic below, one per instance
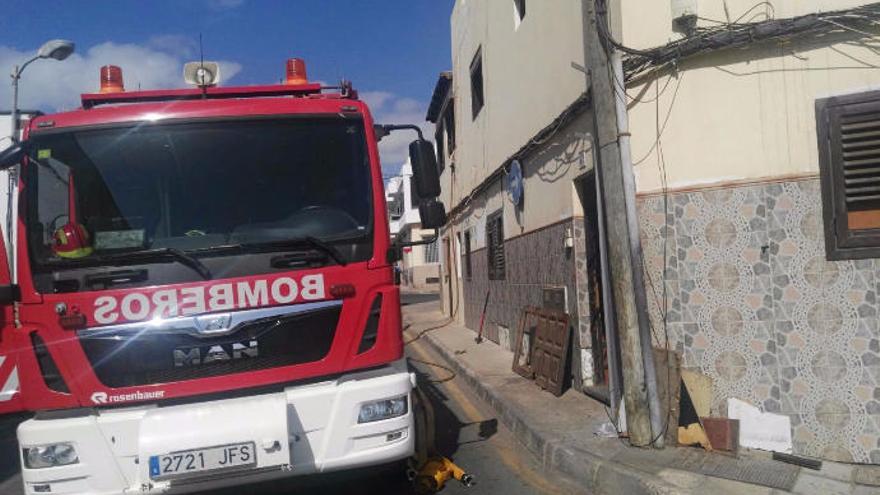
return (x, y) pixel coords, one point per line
(395, 250)
(383, 130)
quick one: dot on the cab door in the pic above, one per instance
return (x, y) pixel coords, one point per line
(10, 391)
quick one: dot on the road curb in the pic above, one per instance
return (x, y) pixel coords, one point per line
(596, 474)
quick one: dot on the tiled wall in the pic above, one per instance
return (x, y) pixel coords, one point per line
(534, 260)
(751, 301)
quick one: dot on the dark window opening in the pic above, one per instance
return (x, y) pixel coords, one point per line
(495, 246)
(468, 272)
(477, 84)
(449, 125)
(441, 152)
(849, 164)
(520, 7)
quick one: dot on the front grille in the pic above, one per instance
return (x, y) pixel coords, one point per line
(147, 355)
(48, 368)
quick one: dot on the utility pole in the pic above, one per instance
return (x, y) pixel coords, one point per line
(614, 184)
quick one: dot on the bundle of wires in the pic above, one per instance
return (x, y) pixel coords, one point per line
(863, 21)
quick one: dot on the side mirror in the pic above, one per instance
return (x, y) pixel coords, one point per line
(432, 214)
(424, 165)
(11, 156)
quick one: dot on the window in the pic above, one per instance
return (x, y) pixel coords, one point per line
(849, 164)
(438, 144)
(449, 125)
(395, 206)
(477, 83)
(495, 246)
(432, 254)
(519, 7)
(153, 186)
(468, 273)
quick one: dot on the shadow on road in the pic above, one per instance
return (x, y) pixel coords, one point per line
(450, 432)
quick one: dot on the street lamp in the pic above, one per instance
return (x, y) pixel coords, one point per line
(57, 49)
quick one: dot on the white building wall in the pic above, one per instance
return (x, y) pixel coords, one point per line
(743, 115)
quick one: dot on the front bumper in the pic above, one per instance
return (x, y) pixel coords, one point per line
(302, 430)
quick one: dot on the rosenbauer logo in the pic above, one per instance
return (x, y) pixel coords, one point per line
(168, 303)
(103, 398)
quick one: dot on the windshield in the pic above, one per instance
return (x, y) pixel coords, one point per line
(194, 187)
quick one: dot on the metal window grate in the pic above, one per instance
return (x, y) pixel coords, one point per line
(495, 246)
(432, 254)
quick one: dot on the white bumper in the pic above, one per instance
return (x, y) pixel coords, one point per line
(302, 430)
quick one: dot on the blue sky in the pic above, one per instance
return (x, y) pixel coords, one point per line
(391, 49)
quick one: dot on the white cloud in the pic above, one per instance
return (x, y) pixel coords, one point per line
(52, 85)
(388, 108)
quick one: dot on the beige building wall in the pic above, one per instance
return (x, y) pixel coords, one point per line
(528, 81)
(758, 120)
(527, 73)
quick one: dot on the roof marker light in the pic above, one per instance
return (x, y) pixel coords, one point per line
(111, 79)
(296, 71)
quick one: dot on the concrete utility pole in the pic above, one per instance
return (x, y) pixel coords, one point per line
(617, 212)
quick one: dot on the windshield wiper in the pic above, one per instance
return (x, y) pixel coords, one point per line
(165, 252)
(285, 244)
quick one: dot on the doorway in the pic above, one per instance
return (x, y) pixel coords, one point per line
(447, 274)
(605, 351)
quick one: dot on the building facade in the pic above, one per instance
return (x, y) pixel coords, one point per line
(759, 248)
(420, 265)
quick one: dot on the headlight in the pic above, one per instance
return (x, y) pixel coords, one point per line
(383, 409)
(55, 454)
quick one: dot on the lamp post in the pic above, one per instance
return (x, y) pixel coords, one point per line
(55, 49)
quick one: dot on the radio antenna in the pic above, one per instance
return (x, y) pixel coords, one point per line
(202, 67)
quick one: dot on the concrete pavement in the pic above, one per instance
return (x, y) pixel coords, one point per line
(560, 432)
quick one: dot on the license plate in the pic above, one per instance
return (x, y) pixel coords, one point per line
(186, 462)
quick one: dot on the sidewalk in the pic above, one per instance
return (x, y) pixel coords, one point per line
(559, 431)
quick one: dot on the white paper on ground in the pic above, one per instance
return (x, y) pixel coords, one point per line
(757, 430)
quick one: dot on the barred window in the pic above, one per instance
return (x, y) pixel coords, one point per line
(495, 246)
(432, 254)
(468, 272)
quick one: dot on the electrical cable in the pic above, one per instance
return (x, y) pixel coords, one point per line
(665, 121)
(860, 21)
(452, 373)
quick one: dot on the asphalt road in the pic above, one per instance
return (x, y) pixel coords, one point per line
(407, 298)
(466, 431)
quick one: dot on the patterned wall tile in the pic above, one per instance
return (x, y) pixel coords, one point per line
(769, 318)
(533, 262)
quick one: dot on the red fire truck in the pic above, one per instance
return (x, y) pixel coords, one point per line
(201, 291)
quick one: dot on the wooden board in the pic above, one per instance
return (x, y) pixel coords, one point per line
(700, 389)
(523, 345)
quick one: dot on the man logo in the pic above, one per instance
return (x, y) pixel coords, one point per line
(99, 398)
(194, 356)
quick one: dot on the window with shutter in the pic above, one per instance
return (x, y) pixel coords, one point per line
(467, 254)
(495, 246)
(849, 163)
